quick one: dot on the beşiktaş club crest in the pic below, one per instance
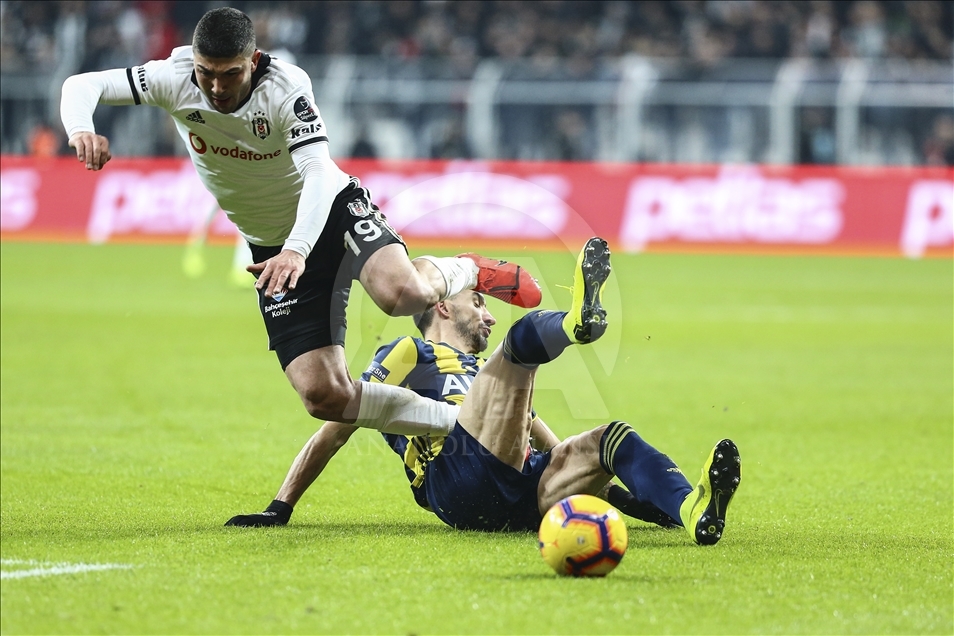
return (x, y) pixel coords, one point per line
(260, 125)
(358, 209)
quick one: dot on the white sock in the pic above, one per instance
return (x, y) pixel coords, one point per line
(392, 409)
(459, 273)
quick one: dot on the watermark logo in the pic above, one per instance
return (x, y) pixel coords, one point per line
(470, 201)
(473, 204)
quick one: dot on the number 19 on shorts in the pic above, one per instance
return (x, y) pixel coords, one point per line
(367, 230)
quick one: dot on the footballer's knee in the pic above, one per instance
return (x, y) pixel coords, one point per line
(329, 400)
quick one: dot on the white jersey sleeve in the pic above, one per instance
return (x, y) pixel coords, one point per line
(81, 94)
(308, 144)
(159, 82)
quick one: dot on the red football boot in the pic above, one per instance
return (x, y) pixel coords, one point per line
(505, 281)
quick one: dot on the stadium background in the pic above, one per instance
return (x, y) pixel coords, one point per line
(652, 96)
(139, 409)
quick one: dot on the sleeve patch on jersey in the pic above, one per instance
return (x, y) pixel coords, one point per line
(298, 131)
(141, 76)
(303, 110)
(377, 371)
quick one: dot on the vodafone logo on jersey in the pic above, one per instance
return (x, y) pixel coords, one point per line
(201, 147)
(197, 143)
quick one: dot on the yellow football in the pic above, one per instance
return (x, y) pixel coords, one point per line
(583, 536)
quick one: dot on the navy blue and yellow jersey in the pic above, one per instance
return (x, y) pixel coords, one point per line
(433, 370)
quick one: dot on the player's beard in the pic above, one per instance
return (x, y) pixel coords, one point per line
(471, 334)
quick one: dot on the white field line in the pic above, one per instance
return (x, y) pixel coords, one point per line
(46, 568)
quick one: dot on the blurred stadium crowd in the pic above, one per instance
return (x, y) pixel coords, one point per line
(123, 33)
(556, 39)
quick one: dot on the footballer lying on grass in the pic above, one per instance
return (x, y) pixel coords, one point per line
(501, 468)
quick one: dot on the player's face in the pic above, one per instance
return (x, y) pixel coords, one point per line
(472, 320)
(225, 81)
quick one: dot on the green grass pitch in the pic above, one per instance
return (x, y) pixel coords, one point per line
(140, 410)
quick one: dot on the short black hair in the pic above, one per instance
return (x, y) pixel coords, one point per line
(424, 319)
(224, 33)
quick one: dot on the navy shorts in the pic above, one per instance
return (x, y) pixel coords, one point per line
(469, 488)
(312, 315)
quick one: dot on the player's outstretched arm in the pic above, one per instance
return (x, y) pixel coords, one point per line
(309, 463)
(313, 458)
(79, 98)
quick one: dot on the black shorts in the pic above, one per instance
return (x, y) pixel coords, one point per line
(312, 315)
(468, 488)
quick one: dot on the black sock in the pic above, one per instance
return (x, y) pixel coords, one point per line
(536, 339)
(281, 509)
(643, 469)
(630, 505)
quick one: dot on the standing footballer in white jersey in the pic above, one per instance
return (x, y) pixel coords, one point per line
(261, 148)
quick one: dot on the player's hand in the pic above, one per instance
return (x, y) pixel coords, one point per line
(278, 273)
(92, 149)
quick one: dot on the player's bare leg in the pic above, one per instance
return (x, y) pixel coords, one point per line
(399, 287)
(574, 469)
(496, 411)
(323, 383)
(328, 392)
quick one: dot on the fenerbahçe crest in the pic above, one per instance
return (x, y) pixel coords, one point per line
(260, 125)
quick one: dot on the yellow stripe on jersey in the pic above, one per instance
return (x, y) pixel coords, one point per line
(457, 399)
(432, 369)
(400, 361)
(422, 449)
(448, 359)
